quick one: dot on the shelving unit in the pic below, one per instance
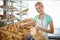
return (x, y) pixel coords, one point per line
(9, 9)
(21, 6)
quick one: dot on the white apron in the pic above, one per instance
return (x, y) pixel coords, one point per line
(42, 23)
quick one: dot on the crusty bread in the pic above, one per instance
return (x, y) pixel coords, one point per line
(17, 30)
(36, 34)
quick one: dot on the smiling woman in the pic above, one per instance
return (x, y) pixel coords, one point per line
(51, 8)
(36, 10)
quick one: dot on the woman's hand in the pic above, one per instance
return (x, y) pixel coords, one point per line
(51, 30)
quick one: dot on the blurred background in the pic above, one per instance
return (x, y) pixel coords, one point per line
(51, 7)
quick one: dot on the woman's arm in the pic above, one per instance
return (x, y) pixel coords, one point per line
(51, 30)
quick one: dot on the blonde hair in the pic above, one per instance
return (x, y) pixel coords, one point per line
(38, 3)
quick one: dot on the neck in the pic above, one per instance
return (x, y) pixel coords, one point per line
(42, 15)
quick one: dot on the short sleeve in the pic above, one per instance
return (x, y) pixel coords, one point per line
(48, 19)
(35, 17)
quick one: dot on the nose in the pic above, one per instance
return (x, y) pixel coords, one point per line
(38, 10)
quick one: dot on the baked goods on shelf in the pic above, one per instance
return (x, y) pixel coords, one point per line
(8, 35)
(17, 30)
(25, 11)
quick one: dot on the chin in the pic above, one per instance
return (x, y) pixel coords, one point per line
(39, 12)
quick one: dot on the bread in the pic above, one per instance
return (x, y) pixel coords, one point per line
(36, 34)
(17, 30)
(24, 11)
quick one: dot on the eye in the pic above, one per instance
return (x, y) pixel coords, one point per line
(38, 8)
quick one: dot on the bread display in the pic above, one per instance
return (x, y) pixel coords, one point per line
(17, 30)
(9, 35)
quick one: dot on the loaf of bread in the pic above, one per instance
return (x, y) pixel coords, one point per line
(36, 34)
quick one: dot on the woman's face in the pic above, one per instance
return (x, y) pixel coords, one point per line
(39, 9)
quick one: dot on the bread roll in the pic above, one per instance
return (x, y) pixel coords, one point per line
(36, 34)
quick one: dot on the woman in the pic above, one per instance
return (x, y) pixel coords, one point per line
(43, 20)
